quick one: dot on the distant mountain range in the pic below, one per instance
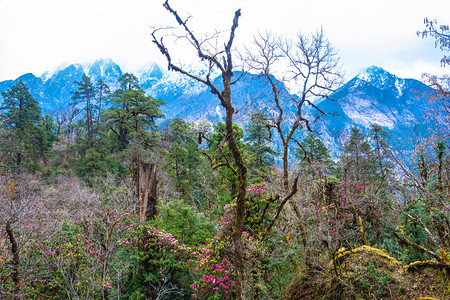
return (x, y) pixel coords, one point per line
(373, 97)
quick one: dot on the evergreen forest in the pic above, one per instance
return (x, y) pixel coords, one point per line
(107, 199)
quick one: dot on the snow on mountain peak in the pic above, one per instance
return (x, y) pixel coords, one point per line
(95, 69)
(382, 79)
(184, 84)
(49, 74)
(377, 75)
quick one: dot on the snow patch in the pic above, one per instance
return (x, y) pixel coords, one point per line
(49, 74)
(399, 83)
(184, 84)
(364, 112)
(376, 76)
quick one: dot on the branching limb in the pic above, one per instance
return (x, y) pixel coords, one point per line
(214, 164)
(280, 207)
(403, 241)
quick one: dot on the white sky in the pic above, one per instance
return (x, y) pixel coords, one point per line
(38, 35)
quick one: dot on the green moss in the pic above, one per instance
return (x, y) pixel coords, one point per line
(368, 251)
(369, 273)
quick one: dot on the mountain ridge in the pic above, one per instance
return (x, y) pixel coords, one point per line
(374, 96)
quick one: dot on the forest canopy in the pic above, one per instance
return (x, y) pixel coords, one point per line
(106, 199)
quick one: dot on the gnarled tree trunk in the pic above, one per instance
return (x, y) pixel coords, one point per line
(146, 185)
(224, 96)
(15, 260)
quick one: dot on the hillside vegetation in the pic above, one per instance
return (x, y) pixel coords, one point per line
(98, 202)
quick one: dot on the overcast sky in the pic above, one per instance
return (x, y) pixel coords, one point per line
(38, 35)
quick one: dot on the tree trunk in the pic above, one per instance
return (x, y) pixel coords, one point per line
(146, 184)
(226, 68)
(285, 167)
(15, 261)
(241, 195)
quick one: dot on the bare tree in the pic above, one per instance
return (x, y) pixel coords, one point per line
(18, 207)
(221, 59)
(311, 65)
(441, 98)
(441, 33)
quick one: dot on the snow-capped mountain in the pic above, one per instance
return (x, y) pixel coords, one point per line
(373, 97)
(54, 88)
(376, 97)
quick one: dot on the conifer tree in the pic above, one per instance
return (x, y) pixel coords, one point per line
(102, 92)
(131, 118)
(314, 156)
(380, 139)
(50, 128)
(22, 122)
(358, 159)
(183, 156)
(261, 155)
(132, 112)
(313, 150)
(84, 96)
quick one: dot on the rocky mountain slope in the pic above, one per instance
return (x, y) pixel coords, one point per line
(373, 97)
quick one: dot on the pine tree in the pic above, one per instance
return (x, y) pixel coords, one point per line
(183, 156)
(261, 155)
(84, 96)
(132, 112)
(314, 156)
(102, 93)
(358, 160)
(313, 150)
(380, 138)
(131, 118)
(51, 129)
(22, 121)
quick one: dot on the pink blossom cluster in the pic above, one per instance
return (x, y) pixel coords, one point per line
(257, 189)
(216, 280)
(335, 212)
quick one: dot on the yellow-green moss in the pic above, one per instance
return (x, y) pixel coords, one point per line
(419, 265)
(369, 273)
(444, 255)
(370, 252)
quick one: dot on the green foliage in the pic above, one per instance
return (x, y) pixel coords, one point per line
(89, 162)
(95, 162)
(84, 98)
(313, 150)
(414, 231)
(158, 268)
(25, 139)
(376, 282)
(381, 151)
(260, 154)
(50, 128)
(221, 157)
(132, 112)
(187, 225)
(314, 156)
(183, 158)
(358, 161)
